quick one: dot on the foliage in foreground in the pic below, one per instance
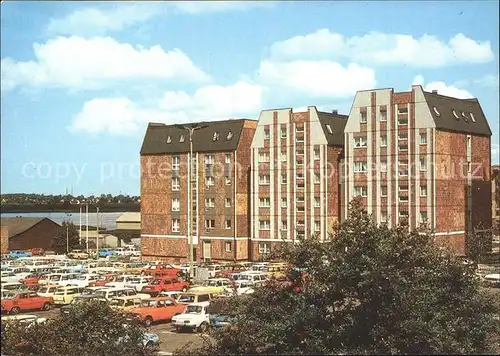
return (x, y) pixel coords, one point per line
(370, 290)
(90, 329)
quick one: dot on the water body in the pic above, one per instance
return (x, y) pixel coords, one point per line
(106, 220)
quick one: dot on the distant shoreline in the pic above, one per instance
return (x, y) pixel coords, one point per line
(51, 208)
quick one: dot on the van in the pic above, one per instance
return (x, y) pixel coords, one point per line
(64, 295)
(110, 293)
(128, 302)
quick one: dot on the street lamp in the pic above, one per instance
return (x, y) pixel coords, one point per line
(190, 129)
(67, 232)
(80, 203)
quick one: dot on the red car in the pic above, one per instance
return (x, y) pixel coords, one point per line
(37, 251)
(227, 273)
(32, 278)
(26, 301)
(166, 284)
(103, 280)
(163, 271)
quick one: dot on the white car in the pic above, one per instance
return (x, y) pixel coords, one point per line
(110, 293)
(83, 280)
(194, 317)
(254, 277)
(9, 277)
(24, 319)
(138, 282)
(493, 279)
(240, 287)
(121, 281)
(47, 290)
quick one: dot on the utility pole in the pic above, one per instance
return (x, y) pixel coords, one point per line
(80, 231)
(67, 237)
(97, 239)
(87, 225)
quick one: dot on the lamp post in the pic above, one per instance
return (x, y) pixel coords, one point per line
(190, 129)
(80, 203)
(67, 232)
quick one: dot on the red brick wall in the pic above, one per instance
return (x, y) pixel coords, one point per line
(4, 236)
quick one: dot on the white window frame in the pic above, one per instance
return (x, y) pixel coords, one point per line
(329, 129)
(360, 166)
(383, 216)
(264, 157)
(228, 158)
(300, 199)
(317, 154)
(284, 179)
(264, 225)
(299, 138)
(403, 189)
(383, 115)
(209, 159)
(265, 202)
(228, 180)
(382, 194)
(228, 203)
(383, 166)
(176, 225)
(228, 227)
(176, 204)
(317, 226)
(403, 147)
(404, 198)
(283, 133)
(176, 163)
(228, 246)
(423, 191)
(317, 178)
(423, 167)
(423, 138)
(300, 175)
(264, 248)
(267, 134)
(209, 225)
(283, 156)
(263, 181)
(317, 202)
(383, 140)
(284, 202)
(422, 220)
(284, 225)
(209, 181)
(403, 138)
(209, 202)
(403, 121)
(400, 166)
(360, 191)
(363, 116)
(176, 184)
(299, 128)
(301, 209)
(360, 142)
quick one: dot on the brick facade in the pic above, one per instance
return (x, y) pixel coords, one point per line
(4, 242)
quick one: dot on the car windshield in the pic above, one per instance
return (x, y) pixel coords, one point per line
(117, 302)
(8, 295)
(194, 309)
(54, 278)
(186, 298)
(82, 278)
(148, 303)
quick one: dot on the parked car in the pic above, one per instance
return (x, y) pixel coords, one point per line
(83, 280)
(121, 281)
(26, 301)
(194, 317)
(47, 290)
(125, 303)
(33, 278)
(238, 288)
(138, 282)
(189, 297)
(14, 287)
(164, 285)
(110, 293)
(157, 309)
(103, 279)
(64, 295)
(212, 285)
(24, 319)
(18, 253)
(66, 309)
(37, 251)
(163, 270)
(8, 277)
(171, 294)
(78, 255)
(106, 252)
(493, 279)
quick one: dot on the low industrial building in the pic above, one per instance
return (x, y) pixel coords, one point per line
(21, 233)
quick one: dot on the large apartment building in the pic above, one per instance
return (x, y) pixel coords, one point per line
(495, 198)
(295, 176)
(420, 157)
(219, 174)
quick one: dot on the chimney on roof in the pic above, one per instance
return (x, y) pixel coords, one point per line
(335, 112)
(434, 92)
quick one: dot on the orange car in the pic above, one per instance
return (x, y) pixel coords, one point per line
(157, 309)
(15, 303)
(32, 278)
(110, 277)
(166, 284)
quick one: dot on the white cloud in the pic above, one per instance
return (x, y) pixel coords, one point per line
(96, 21)
(203, 7)
(316, 78)
(489, 80)
(426, 51)
(442, 88)
(212, 102)
(80, 63)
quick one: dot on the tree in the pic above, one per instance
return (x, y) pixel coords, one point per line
(89, 329)
(369, 290)
(70, 229)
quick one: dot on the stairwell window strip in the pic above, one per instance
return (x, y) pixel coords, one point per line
(176, 225)
(176, 204)
(264, 180)
(175, 183)
(264, 225)
(361, 191)
(360, 166)
(383, 141)
(176, 163)
(265, 202)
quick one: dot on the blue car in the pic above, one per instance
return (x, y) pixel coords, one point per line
(105, 252)
(220, 320)
(19, 253)
(149, 340)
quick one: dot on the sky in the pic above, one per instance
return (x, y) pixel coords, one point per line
(81, 80)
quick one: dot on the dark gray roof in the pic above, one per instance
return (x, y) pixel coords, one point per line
(19, 225)
(337, 122)
(448, 122)
(155, 140)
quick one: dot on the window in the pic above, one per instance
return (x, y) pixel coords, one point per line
(300, 152)
(436, 111)
(316, 153)
(299, 128)
(423, 216)
(317, 202)
(301, 222)
(299, 138)
(423, 190)
(455, 114)
(264, 179)
(403, 198)
(227, 246)
(209, 202)
(317, 178)
(264, 157)
(383, 216)
(301, 209)
(383, 191)
(283, 179)
(383, 141)
(264, 202)
(360, 191)
(383, 114)
(300, 199)
(403, 136)
(300, 185)
(383, 166)
(228, 158)
(403, 214)
(169, 139)
(360, 142)
(469, 142)
(472, 117)
(317, 226)
(423, 164)
(403, 121)
(228, 202)
(329, 129)
(267, 134)
(403, 188)
(209, 181)
(403, 169)
(300, 161)
(228, 180)
(175, 183)
(209, 159)
(176, 225)
(360, 166)
(403, 110)
(283, 156)
(176, 204)
(227, 224)
(209, 224)
(283, 132)
(283, 203)
(423, 138)
(283, 225)
(176, 163)
(229, 136)
(182, 138)
(264, 225)
(300, 175)
(403, 147)
(363, 116)
(216, 136)
(264, 248)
